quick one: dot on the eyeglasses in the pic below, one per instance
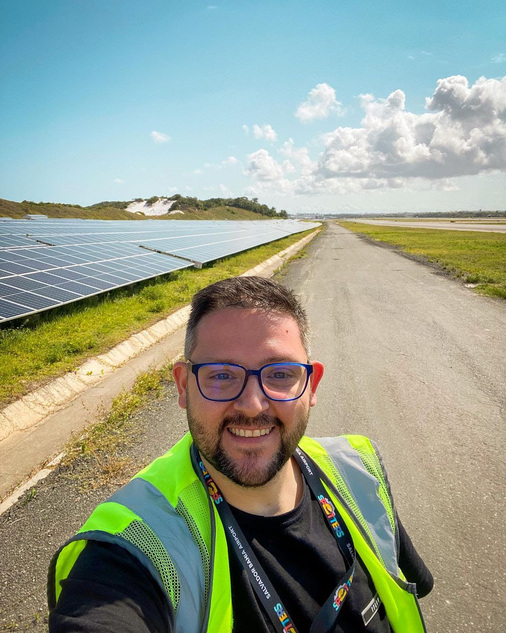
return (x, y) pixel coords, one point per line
(224, 382)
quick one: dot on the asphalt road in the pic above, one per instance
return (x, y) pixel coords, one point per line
(418, 362)
(414, 360)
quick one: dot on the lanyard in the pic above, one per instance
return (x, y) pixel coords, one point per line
(326, 618)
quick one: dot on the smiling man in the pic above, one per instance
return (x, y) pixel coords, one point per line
(245, 524)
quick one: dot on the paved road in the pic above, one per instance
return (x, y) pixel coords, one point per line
(414, 360)
(451, 225)
(418, 362)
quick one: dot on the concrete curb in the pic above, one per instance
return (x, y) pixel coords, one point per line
(39, 404)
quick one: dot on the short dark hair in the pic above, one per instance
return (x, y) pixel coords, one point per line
(252, 292)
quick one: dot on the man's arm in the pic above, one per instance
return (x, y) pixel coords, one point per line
(412, 564)
(107, 591)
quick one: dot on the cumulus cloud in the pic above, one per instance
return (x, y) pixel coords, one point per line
(321, 102)
(264, 131)
(461, 133)
(230, 160)
(299, 156)
(263, 167)
(160, 137)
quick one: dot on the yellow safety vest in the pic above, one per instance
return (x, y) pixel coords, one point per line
(165, 518)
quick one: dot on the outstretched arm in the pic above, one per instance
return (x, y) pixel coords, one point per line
(107, 591)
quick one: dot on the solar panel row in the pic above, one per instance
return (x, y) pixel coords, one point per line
(52, 262)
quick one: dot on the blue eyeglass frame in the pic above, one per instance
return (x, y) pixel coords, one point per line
(252, 372)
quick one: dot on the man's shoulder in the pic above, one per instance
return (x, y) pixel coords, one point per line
(339, 443)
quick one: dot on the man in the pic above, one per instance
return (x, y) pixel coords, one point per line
(245, 525)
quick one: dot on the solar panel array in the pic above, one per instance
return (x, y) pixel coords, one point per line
(50, 262)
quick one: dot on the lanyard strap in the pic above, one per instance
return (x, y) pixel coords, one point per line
(325, 620)
(268, 596)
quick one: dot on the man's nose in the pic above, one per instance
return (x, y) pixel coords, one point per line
(252, 400)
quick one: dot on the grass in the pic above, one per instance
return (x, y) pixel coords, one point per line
(474, 257)
(59, 341)
(448, 219)
(101, 448)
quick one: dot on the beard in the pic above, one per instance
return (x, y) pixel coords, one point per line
(251, 469)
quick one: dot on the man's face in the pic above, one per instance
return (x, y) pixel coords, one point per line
(249, 439)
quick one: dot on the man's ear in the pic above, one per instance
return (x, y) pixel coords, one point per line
(180, 375)
(316, 376)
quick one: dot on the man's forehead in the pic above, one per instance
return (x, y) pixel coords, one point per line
(246, 336)
(246, 315)
(246, 321)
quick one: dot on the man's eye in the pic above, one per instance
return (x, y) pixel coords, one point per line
(222, 376)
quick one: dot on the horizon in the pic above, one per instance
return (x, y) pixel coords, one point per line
(311, 108)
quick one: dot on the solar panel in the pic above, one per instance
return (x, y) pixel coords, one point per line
(56, 261)
(10, 310)
(33, 301)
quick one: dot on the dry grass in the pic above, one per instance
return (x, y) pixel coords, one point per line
(99, 456)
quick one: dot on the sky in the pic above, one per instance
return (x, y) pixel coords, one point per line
(310, 106)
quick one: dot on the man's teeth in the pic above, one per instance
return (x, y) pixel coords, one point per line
(250, 433)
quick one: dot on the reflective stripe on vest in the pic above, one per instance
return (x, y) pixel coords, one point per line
(364, 489)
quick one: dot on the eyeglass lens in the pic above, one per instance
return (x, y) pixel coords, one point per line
(224, 382)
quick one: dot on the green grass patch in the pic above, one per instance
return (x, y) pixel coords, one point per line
(475, 257)
(33, 353)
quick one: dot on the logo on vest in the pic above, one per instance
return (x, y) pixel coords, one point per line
(371, 610)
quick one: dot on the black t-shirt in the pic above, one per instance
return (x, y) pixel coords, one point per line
(108, 590)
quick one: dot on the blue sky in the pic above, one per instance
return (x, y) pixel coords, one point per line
(309, 106)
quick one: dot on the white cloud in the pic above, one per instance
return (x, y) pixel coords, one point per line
(264, 131)
(499, 59)
(245, 129)
(321, 102)
(119, 181)
(263, 167)
(299, 156)
(197, 171)
(160, 137)
(231, 160)
(462, 133)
